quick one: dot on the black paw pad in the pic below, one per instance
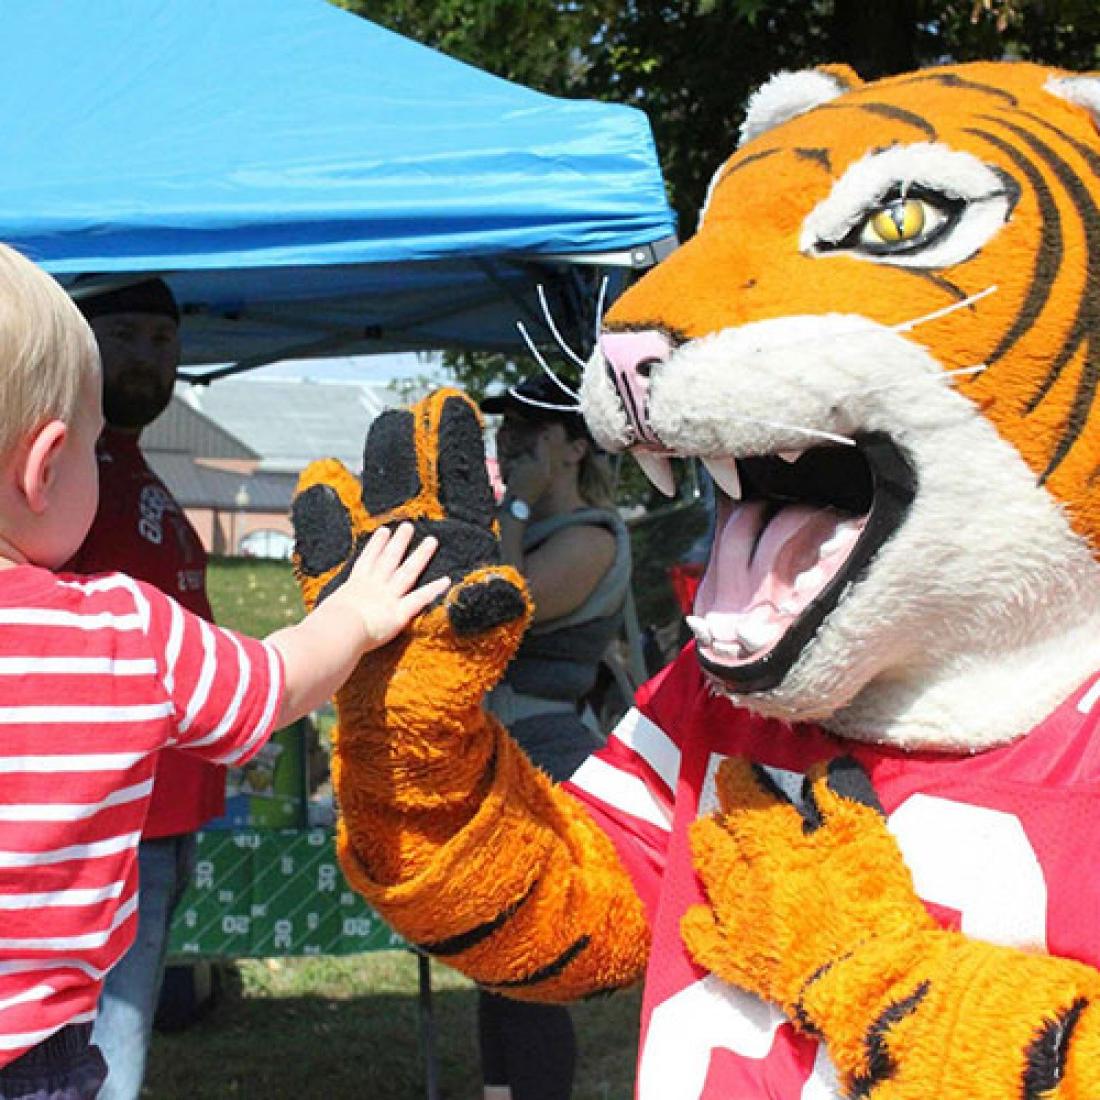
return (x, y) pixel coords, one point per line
(336, 581)
(390, 476)
(464, 490)
(480, 607)
(322, 530)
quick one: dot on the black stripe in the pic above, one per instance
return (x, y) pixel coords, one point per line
(1048, 259)
(800, 1013)
(843, 81)
(880, 1062)
(552, 970)
(937, 281)
(1046, 1057)
(752, 158)
(455, 945)
(816, 156)
(886, 110)
(1086, 318)
(950, 80)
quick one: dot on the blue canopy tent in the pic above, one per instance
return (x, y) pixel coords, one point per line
(308, 182)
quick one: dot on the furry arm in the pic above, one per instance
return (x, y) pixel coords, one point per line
(816, 911)
(445, 827)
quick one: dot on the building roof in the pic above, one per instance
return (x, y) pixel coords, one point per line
(183, 429)
(197, 486)
(289, 424)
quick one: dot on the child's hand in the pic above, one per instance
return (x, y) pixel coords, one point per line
(380, 585)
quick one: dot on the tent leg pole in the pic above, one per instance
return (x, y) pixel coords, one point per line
(427, 1027)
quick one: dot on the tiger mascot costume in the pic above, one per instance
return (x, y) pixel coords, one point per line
(884, 343)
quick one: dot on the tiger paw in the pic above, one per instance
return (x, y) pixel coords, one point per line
(791, 889)
(424, 465)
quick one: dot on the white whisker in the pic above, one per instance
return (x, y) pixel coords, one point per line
(544, 364)
(832, 437)
(600, 301)
(923, 379)
(541, 404)
(905, 326)
(554, 329)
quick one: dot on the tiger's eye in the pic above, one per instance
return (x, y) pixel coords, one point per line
(900, 220)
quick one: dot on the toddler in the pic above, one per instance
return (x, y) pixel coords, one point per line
(97, 675)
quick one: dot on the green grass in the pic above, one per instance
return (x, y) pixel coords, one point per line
(253, 595)
(348, 1028)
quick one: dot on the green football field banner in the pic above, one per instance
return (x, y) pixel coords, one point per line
(263, 892)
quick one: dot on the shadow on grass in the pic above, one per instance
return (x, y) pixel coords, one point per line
(342, 1044)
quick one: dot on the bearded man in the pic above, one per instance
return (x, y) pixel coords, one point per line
(139, 528)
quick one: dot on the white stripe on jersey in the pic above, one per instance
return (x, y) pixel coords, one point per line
(1088, 700)
(274, 691)
(28, 966)
(175, 644)
(621, 790)
(206, 678)
(87, 762)
(234, 707)
(59, 898)
(83, 715)
(35, 993)
(16, 1041)
(73, 811)
(652, 744)
(96, 850)
(77, 666)
(100, 620)
(89, 940)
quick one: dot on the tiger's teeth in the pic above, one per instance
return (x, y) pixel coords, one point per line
(698, 626)
(755, 632)
(724, 472)
(658, 469)
(790, 456)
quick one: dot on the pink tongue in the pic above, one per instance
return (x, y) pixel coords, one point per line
(789, 546)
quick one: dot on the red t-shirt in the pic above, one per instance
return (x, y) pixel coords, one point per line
(1000, 845)
(97, 676)
(140, 530)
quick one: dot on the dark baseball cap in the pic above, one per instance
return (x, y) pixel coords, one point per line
(540, 399)
(146, 296)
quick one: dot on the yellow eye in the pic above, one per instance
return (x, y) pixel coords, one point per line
(898, 222)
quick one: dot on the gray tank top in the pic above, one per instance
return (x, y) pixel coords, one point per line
(556, 665)
(558, 657)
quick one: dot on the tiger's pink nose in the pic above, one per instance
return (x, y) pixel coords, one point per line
(630, 358)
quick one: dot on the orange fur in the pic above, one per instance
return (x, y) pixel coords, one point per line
(757, 208)
(787, 921)
(445, 826)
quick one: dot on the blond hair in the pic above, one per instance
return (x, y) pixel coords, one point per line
(46, 349)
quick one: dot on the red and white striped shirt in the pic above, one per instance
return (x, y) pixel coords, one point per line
(97, 675)
(1000, 844)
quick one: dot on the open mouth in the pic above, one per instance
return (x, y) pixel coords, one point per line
(805, 527)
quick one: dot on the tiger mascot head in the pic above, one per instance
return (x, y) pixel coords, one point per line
(884, 344)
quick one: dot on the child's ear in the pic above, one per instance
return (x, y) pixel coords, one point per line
(39, 464)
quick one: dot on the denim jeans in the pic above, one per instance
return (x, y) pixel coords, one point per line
(125, 1023)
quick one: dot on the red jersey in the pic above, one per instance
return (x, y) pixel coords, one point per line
(1000, 845)
(140, 530)
(97, 676)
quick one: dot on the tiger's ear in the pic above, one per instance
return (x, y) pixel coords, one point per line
(787, 95)
(1082, 91)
